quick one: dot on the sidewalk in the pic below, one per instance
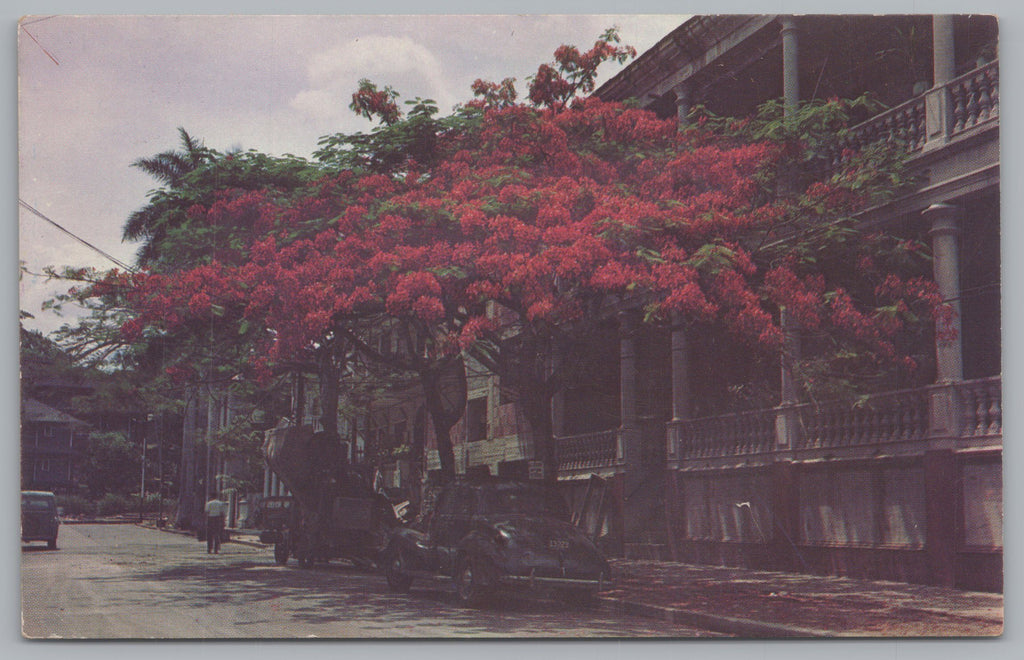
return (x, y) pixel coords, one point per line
(766, 604)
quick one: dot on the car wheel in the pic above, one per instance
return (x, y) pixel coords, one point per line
(395, 567)
(52, 544)
(281, 552)
(469, 582)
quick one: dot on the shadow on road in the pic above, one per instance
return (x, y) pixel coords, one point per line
(334, 593)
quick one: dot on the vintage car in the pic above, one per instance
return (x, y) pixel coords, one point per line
(39, 521)
(496, 536)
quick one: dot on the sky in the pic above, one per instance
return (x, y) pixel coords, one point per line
(98, 92)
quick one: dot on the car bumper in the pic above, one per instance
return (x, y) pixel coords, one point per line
(271, 536)
(534, 581)
(42, 536)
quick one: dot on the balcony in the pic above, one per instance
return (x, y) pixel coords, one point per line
(905, 422)
(588, 452)
(933, 119)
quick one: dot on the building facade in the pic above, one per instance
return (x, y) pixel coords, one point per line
(51, 443)
(905, 484)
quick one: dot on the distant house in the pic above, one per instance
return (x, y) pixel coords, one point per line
(51, 443)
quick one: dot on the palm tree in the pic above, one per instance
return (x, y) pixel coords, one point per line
(170, 169)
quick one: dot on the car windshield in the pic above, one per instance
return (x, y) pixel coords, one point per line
(521, 498)
(36, 503)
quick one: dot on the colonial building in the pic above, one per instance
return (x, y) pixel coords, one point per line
(904, 485)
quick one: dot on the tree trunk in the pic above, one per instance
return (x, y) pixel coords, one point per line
(187, 486)
(444, 389)
(328, 375)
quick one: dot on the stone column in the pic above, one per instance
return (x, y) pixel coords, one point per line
(790, 355)
(790, 65)
(943, 51)
(944, 405)
(938, 102)
(680, 411)
(629, 431)
(785, 423)
(785, 420)
(945, 235)
(684, 102)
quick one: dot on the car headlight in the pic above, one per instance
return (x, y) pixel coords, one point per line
(501, 537)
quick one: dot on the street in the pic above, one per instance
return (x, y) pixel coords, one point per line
(121, 581)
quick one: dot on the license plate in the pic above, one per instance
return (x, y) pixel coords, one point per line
(558, 544)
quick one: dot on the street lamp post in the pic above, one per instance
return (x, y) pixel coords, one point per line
(160, 468)
(142, 485)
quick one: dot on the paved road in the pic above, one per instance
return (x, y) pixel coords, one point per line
(123, 581)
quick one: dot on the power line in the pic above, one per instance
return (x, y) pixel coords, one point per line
(120, 264)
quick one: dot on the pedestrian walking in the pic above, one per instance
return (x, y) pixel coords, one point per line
(216, 509)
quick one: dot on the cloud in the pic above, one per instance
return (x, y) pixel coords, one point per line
(399, 62)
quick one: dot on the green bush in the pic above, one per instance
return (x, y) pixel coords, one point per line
(75, 505)
(111, 503)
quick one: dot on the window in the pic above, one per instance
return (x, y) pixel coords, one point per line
(476, 420)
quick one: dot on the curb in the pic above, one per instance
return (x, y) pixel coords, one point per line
(181, 532)
(717, 623)
(251, 544)
(931, 611)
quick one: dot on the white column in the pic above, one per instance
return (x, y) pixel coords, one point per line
(684, 102)
(945, 235)
(785, 420)
(790, 65)
(943, 51)
(938, 102)
(629, 431)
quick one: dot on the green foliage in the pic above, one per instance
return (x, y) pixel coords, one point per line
(75, 505)
(113, 503)
(411, 143)
(111, 465)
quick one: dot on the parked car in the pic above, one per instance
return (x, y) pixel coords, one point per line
(496, 536)
(39, 521)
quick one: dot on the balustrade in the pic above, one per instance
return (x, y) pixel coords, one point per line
(981, 408)
(890, 418)
(726, 435)
(884, 418)
(973, 99)
(589, 450)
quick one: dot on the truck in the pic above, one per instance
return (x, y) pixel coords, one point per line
(333, 510)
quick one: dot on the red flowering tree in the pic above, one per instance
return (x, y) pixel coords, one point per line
(556, 212)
